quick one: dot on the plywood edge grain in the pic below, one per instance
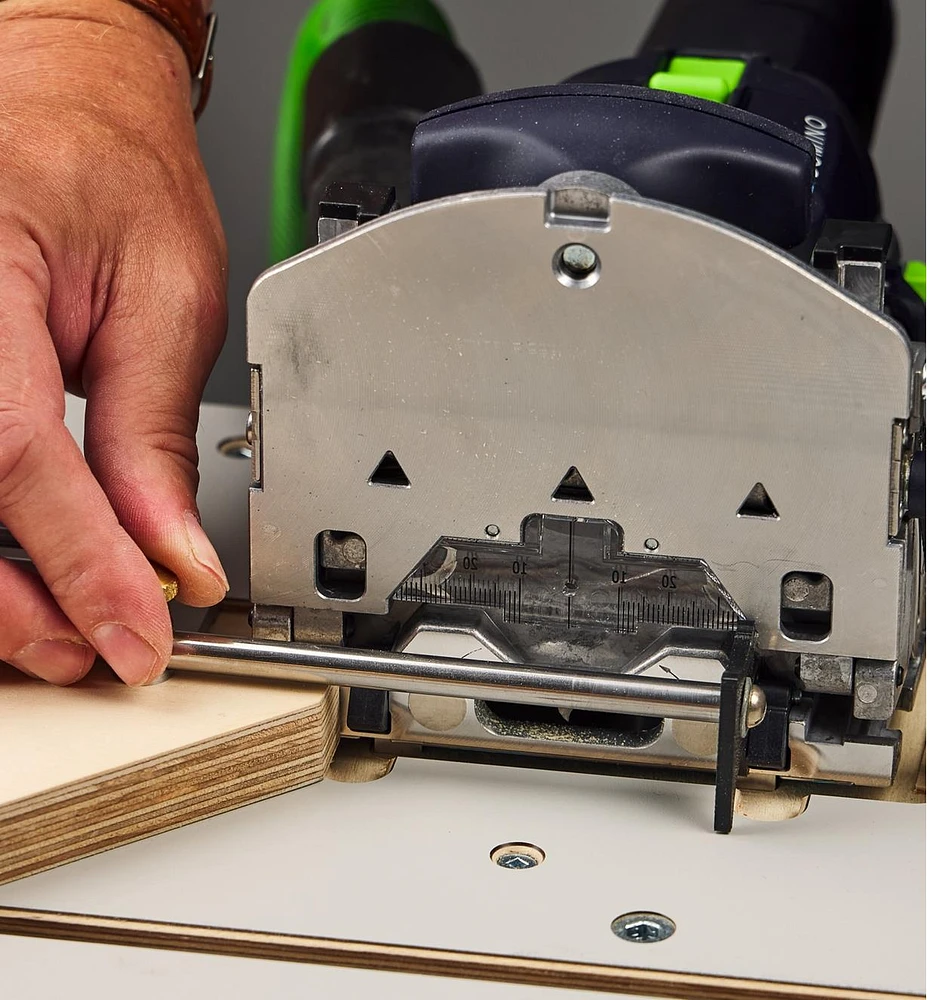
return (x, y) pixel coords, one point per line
(202, 779)
(387, 957)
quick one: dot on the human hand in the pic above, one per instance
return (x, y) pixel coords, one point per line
(112, 283)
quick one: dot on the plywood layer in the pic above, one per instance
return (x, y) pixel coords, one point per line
(99, 764)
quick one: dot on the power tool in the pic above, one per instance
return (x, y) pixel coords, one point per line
(587, 419)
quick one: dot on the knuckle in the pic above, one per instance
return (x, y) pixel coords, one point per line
(85, 579)
(198, 296)
(175, 437)
(21, 430)
(72, 579)
(21, 262)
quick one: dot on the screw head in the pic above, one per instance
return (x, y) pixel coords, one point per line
(578, 259)
(492, 530)
(517, 862)
(796, 589)
(576, 265)
(643, 927)
(651, 544)
(517, 857)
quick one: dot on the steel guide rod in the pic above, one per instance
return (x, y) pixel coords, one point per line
(434, 675)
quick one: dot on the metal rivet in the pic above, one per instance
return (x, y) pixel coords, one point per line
(492, 530)
(756, 706)
(867, 693)
(517, 857)
(651, 544)
(576, 265)
(643, 928)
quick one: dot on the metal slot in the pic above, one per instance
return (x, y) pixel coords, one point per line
(806, 606)
(341, 565)
(577, 726)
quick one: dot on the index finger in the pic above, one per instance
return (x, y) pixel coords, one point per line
(51, 502)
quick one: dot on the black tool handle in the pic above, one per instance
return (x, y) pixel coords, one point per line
(844, 44)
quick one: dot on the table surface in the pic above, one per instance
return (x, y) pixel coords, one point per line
(405, 860)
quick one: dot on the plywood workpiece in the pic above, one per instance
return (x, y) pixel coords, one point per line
(99, 764)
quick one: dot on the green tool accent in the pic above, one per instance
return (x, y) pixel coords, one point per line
(324, 24)
(915, 274)
(710, 79)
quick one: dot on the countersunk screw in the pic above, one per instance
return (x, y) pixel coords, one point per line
(516, 861)
(643, 928)
(517, 857)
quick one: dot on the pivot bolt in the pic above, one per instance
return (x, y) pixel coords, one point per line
(576, 265)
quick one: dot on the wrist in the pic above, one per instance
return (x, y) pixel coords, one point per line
(48, 36)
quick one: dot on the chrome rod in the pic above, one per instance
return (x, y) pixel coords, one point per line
(436, 675)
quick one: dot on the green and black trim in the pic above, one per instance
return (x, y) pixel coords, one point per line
(363, 69)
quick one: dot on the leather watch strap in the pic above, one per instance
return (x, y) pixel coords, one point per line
(189, 23)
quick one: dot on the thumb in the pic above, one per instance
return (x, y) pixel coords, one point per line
(144, 376)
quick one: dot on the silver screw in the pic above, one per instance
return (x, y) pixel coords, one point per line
(516, 861)
(651, 544)
(517, 857)
(492, 530)
(643, 928)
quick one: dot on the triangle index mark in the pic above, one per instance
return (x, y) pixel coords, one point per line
(758, 503)
(573, 487)
(389, 472)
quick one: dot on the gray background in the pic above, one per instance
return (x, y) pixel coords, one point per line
(514, 43)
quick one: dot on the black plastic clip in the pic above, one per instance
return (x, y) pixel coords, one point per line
(732, 722)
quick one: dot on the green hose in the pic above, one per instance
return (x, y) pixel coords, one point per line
(324, 24)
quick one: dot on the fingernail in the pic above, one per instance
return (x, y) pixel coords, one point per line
(202, 549)
(127, 653)
(55, 660)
